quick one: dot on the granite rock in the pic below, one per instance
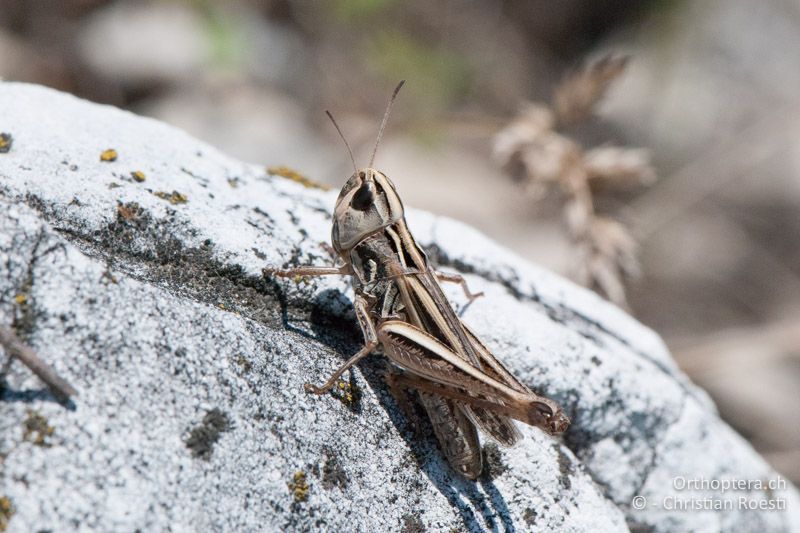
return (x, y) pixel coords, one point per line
(146, 293)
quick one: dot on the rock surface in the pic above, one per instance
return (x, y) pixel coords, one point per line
(147, 296)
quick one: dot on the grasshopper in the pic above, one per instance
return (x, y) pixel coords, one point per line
(402, 310)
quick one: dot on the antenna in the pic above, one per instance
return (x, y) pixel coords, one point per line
(335, 125)
(385, 118)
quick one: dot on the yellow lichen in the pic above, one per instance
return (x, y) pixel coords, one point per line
(291, 174)
(21, 298)
(243, 363)
(36, 429)
(6, 140)
(299, 486)
(6, 512)
(108, 277)
(138, 176)
(301, 279)
(348, 393)
(174, 197)
(108, 155)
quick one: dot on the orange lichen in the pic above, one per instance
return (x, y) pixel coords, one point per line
(174, 197)
(128, 211)
(6, 512)
(348, 393)
(6, 140)
(299, 486)
(36, 429)
(291, 174)
(108, 155)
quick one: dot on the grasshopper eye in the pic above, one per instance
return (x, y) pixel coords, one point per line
(364, 197)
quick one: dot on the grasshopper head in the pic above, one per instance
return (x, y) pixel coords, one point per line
(367, 203)
(559, 422)
(549, 416)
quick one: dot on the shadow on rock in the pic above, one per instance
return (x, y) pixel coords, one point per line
(9, 395)
(479, 503)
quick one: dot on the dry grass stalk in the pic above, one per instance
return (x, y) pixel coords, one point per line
(533, 151)
(16, 349)
(577, 95)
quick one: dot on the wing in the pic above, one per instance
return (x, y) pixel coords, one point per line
(437, 316)
(492, 366)
(434, 322)
(456, 434)
(499, 427)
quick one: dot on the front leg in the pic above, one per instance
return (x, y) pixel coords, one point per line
(370, 343)
(458, 278)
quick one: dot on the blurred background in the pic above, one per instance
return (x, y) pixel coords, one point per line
(709, 214)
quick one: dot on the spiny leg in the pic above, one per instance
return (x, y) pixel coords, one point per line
(328, 385)
(370, 343)
(458, 278)
(534, 413)
(343, 270)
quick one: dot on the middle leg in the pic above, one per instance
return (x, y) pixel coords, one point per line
(458, 278)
